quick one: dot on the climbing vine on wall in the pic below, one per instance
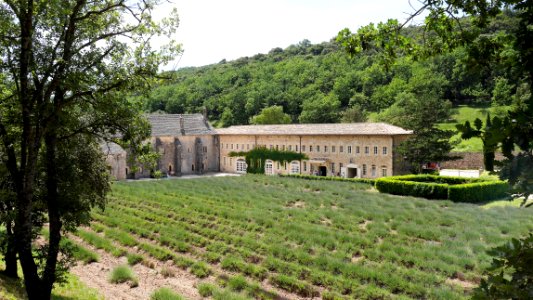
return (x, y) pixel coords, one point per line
(255, 159)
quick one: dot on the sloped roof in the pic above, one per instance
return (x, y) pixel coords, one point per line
(169, 124)
(316, 129)
(110, 148)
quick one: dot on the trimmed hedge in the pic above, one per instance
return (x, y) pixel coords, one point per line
(457, 189)
(478, 192)
(330, 178)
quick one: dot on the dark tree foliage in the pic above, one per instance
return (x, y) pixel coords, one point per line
(66, 70)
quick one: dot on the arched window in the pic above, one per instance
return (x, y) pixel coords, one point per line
(240, 166)
(295, 167)
(269, 167)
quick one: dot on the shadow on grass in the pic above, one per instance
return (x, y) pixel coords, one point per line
(12, 286)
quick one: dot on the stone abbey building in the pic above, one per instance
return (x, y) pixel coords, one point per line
(187, 144)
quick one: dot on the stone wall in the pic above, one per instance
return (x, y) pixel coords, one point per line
(327, 151)
(468, 161)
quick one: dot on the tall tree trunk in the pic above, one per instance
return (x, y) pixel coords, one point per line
(49, 276)
(10, 256)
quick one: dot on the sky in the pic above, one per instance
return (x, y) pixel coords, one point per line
(212, 30)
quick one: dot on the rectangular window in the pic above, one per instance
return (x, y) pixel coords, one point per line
(333, 149)
(247, 146)
(340, 166)
(373, 170)
(270, 147)
(305, 166)
(290, 147)
(205, 149)
(231, 146)
(303, 148)
(375, 150)
(367, 150)
(333, 168)
(310, 148)
(227, 145)
(285, 165)
(237, 145)
(296, 147)
(384, 150)
(277, 147)
(341, 149)
(357, 150)
(349, 149)
(383, 171)
(325, 148)
(317, 148)
(364, 170)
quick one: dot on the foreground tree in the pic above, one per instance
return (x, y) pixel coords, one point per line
(459, 24)
(66, 68)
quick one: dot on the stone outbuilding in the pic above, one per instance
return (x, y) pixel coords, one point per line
(186, 143)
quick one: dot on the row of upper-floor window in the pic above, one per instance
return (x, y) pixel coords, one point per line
(312, 148)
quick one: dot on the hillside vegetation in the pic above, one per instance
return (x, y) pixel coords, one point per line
(319, 83)
(267, 236)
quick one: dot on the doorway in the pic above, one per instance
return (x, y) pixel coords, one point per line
(351, 172)
(322, 171)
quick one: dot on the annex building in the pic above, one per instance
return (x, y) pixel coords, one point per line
(363, 150)
(188, 144)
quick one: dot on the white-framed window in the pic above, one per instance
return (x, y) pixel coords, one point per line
(357, 150)
(240, 166)
(383, 171)
(295, 167)
(333, 168)
(384, 150)
(364, 169)
(373, 170)
(367, 150)
(349, 149)
(269, 167)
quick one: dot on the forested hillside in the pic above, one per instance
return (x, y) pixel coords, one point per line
(318, 83)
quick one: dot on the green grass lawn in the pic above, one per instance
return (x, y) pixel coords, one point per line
(336, 239)
(462, 114)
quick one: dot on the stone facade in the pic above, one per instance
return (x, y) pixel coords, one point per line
(346, 154)
(187, 144)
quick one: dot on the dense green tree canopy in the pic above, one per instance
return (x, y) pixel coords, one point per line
(271, 115)
(66, 71)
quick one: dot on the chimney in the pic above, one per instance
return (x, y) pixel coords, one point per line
(182, 127)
